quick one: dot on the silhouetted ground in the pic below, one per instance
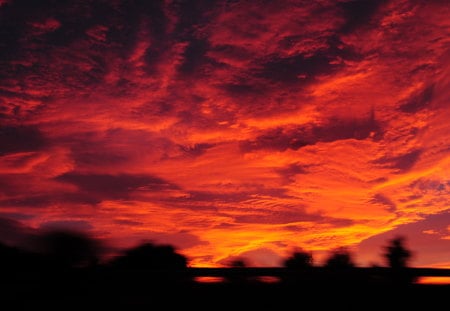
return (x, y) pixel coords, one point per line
(85, 289)
(64, 273)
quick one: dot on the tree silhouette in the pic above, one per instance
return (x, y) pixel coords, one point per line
(235, 276)
(299, 265)
(299, 260)
(340, 258)
(150, 256)
(68, 249)
(396, 254)
(238, 263)
(13, 259)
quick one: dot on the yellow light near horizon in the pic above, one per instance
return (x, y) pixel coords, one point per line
(434, 280)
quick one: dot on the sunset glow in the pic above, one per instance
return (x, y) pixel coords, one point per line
(229, 129)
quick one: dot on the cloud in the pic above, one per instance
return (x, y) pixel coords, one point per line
(297, 69)
(358, 13)
(115, 186)
(14, 233)
(127, 222)
(16, 216)
(384, 200)
(14, 139)
(180, 240)
(401, 163)
(69, 225)
(297, 137)
(418, 101)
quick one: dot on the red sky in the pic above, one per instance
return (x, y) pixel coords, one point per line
(228, 128)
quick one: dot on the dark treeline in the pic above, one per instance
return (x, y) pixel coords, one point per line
(57, 250)
(68, 268)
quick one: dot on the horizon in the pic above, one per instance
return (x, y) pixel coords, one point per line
(228, 129)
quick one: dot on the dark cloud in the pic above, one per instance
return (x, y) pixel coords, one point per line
(382, 199)
(196, 149)
(289, 172)
(431, 186)
(181, 239)
(358, 13)
(17, 216)
(85, 157)
(66, 225)
(275, 217)
(418, 101)
(241, 89)
(127, 222)
(115, 186)
(287, 217)
(194, 56)
(50, 199)
(29, 201)
(192, 14)
(401, 163)
(225, 225)
(297, 68)
(21, 139)
(334, 130)
(238, 195)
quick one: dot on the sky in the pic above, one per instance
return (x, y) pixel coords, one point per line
(228, 129)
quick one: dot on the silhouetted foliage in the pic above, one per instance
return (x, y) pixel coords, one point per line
(144, 276)
(396, 253)
(12, 258)
(238, 263)
(299, 260)
(397, 256)
(235, 275)
(68, 249)
(150, 256)
(340, 258)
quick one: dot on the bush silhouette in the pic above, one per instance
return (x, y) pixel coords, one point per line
(150, 256)
(299, 260)
(68, 249)
(340, 258)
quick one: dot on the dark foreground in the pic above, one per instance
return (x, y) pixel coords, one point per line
(141, 290)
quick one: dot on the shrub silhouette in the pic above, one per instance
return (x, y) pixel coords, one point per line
(150, 256)
(299, 260)
(238, 263)
(340, 258)
(68, 249)
(13, 259)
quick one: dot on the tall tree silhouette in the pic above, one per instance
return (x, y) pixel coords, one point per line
(396, 253)
(398, 257)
